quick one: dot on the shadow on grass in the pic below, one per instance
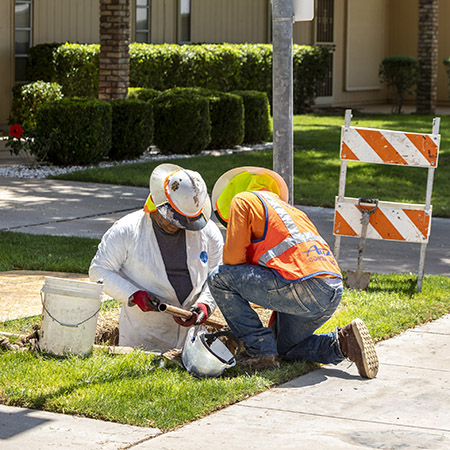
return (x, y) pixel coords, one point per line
(389, 285)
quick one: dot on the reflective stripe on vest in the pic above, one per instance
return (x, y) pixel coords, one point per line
(291, 244)
(293, 239)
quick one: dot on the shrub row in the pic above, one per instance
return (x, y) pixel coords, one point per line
(222, 67)
(188, 120)
(86, 131)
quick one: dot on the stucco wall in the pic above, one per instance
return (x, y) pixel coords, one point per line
(66, 20)
(403, 39)
(233, 21)
(6, 60)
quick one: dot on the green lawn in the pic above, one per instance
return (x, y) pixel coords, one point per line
(316, 164)
(141, 390)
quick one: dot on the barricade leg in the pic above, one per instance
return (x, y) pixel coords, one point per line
(423, 249)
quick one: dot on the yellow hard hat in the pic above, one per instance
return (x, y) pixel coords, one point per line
(241, 179)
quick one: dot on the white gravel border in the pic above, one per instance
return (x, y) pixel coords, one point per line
(153, 154)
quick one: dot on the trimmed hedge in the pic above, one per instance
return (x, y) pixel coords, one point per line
(28, 98)
(143, 94)
(40, 62)
(182, 123)
(227, 120)
(223, 67)
(77, 67)
(73, 131)
(226, 112)
(257, 116)
(132, 128)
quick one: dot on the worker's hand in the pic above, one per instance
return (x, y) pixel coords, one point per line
(144, 300)
(199, 316)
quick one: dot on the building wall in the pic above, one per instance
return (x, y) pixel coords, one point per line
(233, 21)
(163, 21)
(403, 40)
(6, 59)
(355, 80)
(66, 21)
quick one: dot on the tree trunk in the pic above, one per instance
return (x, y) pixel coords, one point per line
(114, 68)
(427, 56)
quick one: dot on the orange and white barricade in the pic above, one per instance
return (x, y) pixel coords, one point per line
(392, 221)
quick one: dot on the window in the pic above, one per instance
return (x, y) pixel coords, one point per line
(23, 36)
(143, 21)
(184, 31)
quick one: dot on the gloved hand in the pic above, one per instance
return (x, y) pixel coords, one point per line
(199, 316)
(144, 300)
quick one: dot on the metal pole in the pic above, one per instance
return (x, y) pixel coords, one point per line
(282, 105)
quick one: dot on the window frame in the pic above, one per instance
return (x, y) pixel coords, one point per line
(29, 29)
(180, 22)
(147, 31)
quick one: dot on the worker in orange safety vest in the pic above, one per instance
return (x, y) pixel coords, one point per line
(275, 257)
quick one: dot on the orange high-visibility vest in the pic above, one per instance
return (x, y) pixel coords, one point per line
(291, 244)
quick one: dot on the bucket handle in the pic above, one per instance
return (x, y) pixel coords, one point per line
(67, 324)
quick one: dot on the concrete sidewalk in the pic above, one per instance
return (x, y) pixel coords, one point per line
(406, 406)
(69, 208)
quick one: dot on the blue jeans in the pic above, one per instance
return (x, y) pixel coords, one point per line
(302, 308)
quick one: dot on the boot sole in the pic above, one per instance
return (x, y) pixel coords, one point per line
(369, 354)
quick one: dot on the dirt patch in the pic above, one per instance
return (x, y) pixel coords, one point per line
(20, 292)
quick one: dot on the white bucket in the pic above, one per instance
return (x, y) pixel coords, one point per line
(69, 316)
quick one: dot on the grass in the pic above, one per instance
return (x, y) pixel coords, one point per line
(46, 253)
(140, 389)
(316, 164)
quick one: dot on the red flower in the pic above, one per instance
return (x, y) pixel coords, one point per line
(15, 131)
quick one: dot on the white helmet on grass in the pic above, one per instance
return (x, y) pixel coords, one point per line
(206, 356)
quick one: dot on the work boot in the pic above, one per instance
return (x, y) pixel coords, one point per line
(357, 345)
(248, 362)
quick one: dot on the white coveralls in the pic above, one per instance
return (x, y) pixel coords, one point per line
(128, 259)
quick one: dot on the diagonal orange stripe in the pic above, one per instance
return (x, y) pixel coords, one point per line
(384, 226)
(420, 220)
(346, 153)
(381, 146)
(426, 146)
(342, 227)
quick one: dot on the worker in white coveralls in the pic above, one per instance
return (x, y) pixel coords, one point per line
(164, 253)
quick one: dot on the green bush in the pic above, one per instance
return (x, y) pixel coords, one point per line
(399, 73)
(182, 123)
(154, 66)
(224, 67)
(77, 68)
(226, 112)
(28, 98)
(310, 67)
(40, 62)
(132, 128)
(212, 66)
(256, 70)
(257, 116)
(144, 94)
(73, 131)
(227, 120)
